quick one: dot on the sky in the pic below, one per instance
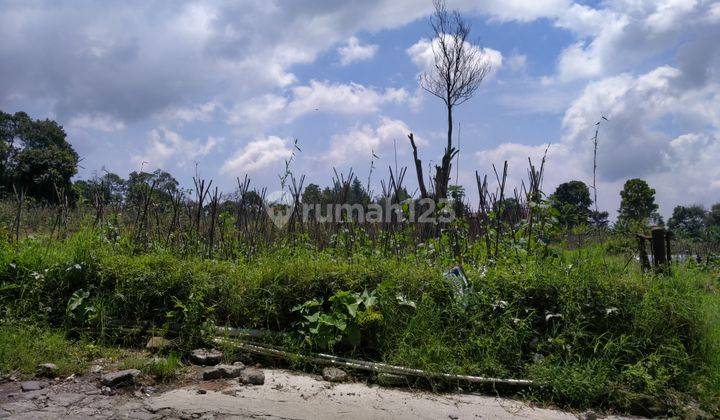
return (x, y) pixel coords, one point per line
(223, 89)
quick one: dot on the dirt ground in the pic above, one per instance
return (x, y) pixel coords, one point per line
(285, 395)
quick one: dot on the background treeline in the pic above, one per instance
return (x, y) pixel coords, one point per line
(38, 165)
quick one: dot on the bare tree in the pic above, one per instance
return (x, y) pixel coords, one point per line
(459, 68)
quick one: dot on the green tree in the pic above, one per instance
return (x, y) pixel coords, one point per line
(572, 200)
(312, 194)
(110, 187)
(637, 202)
(599, 219)
(713, 216)
(138, 184)
(688, 221)
(457, 200)
(357, 194)
(35, 155)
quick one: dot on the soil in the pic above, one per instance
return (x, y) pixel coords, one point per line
(285, 395)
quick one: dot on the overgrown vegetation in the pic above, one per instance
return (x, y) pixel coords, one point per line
(25, 345)
(590, 327)
(521, 285)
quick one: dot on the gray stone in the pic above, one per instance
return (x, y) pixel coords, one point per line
(211, 373)
(48, 370)
(204, 357)
(231, 371)
(222, 371)
(119, 378)
(333, 374)
(391, 379)
(589, 415)
(157, 343)
(31, 386)
(252, 376)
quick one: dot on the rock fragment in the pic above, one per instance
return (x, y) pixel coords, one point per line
(252, 376)
(31, 386)
(222, 371)
(157, 343)
(47, 370)
(333, 374)
(119, 378)
(205, 357)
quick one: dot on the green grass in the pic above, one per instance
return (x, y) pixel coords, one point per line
(163, 369)
(24, 346)
(595, 331)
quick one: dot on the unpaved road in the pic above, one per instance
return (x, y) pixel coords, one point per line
(284, 395)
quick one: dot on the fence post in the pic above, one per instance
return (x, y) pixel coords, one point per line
(668, 253)
(658, 247)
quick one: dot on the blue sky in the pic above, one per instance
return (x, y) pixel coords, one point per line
(225, 87)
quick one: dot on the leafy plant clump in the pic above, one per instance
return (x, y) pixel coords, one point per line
(593, 330)
(348, 316)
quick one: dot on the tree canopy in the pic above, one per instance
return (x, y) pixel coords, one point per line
(35, 156)
(688, 221)
(572, 200)
(637, 202)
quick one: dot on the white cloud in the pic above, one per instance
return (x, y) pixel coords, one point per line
(340, 98)
(201, 112)
(682, 168)
(257, 155)
(624, 34)
(359, 142)
(263, 109)
(517, 10)
(559, 164)
(98, 122)
(317, 96)
(165, 145)
(353, 51)
(421, 53)
(517, 62)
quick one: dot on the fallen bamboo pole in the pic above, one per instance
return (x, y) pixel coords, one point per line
(367, 366)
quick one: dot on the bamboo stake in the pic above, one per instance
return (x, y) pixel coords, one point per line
(367, 366)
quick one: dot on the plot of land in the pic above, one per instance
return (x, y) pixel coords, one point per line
(284, 395)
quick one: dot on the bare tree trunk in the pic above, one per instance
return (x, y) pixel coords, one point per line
(418, 168)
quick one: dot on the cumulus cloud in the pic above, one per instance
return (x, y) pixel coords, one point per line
(98, 122)
(682, 168)
(421, 53)
(134, 62)
(362, 140)
(624, 34)
(353, 50)
(257, 155)
(166, 147)
(261, 110)
(351, 98)
(517, 62)
(317, 96)
(201, 112)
